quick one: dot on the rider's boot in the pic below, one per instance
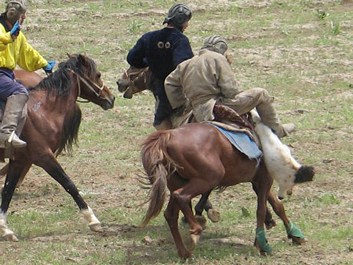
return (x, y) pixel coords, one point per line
(12, 116)
(270, 118)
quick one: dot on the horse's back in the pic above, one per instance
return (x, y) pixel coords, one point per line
(200, 149)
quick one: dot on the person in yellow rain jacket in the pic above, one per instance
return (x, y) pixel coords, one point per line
(15, 50)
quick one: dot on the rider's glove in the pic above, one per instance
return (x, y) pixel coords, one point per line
(15, 29)
(49, 67)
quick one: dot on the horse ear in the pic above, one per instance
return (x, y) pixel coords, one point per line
(82, 59)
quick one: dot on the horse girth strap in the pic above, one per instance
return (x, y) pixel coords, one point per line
(89, 86)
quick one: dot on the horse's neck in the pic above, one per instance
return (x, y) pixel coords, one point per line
(52, 100)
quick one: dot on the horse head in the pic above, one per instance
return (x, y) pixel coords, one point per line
(133, 80)
(90, 85)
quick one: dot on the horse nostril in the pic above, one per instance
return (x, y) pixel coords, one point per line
(280, 198)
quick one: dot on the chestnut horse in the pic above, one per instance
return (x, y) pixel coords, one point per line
(52, 126)
(193, 160)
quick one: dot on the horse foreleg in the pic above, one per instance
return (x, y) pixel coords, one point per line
(260, 239)
(293, 231)
(262, 185)
(92, 220)
(15, 171)
(171, 215)
(269, 222)
(53, 168)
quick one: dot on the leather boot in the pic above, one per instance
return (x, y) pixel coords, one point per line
(12, 116)
(270, 118)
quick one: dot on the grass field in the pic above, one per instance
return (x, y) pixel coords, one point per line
(301, 51)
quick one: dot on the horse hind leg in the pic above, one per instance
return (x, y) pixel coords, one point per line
(183, 197)
(14, 173)
(171, 215)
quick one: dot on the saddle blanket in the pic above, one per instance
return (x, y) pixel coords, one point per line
(242, 142)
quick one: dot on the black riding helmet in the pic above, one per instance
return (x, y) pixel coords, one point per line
(178, 14)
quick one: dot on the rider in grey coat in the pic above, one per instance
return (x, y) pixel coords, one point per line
(207, 79)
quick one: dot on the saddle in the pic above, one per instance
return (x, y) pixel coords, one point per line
(229, 119)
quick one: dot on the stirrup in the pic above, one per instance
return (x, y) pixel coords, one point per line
(15, 142)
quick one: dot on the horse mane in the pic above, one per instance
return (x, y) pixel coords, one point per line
(59, 82)
(71, 127)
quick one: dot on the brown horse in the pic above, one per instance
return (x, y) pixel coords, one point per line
(193, 160)
(52, 126)
(134, 80)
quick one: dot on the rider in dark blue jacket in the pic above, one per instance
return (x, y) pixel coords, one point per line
(162, 50)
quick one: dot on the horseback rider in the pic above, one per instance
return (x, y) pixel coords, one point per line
(15, 50)
(162, 50)
(207, 79)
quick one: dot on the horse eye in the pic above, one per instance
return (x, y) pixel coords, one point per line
(99, 75)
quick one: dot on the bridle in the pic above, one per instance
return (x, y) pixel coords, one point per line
(93, 86)
(138, 73)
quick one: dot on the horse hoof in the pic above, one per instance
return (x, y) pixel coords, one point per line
(96, 227)
(201, 220)
(298, 240)
(184, 255)
(262, 252)
(195, 239)
(11, 237)
(213, 215)
(270, 224)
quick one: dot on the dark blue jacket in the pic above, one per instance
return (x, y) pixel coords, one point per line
(162, 50)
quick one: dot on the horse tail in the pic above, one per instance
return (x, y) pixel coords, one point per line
(158, 166)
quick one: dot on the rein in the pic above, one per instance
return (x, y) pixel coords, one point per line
(86, 82)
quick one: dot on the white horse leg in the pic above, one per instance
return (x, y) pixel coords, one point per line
(7, 233)
(92, 220)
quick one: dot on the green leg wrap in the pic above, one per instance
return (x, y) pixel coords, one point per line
(262, 241)
(294, 231)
